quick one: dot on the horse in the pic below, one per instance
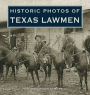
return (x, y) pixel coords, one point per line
(81, 63)
(7, 58)
(30, 62)
(46, 63)
(57, 60)
(78, 59)
(43, 59)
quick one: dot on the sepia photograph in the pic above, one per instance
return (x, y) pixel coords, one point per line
(44, 60)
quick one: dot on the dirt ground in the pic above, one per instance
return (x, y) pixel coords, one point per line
(24, 86)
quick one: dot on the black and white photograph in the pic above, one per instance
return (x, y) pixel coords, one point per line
(44, 60)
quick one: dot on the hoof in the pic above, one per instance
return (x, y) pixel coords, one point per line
(81, 88)
(81, 92)
(62, 85)
(86, 89)
(58, 86)
(61, 88)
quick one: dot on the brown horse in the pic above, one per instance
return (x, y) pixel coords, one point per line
(30, 62)
(8, 58)
(58, 61)
(81, 64)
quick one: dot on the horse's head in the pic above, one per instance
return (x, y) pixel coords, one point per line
(68, 59)
(70, 55)
(45, 50)
(46, 58)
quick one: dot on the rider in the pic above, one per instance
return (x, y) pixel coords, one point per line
(38, 46)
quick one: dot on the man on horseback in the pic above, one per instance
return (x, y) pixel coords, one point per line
(38, 46)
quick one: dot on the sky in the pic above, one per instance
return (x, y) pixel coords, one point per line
(5, 3)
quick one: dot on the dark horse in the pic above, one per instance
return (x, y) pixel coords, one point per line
(30, 62)
(45, 62)
(81, 64)
(7, 58)
(58, 61)
(43, 59)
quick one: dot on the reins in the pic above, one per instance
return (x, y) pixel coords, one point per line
(77, 53)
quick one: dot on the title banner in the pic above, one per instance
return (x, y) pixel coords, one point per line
(44, 16)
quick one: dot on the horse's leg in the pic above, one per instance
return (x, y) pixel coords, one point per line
(1, 71)
(7, 69)
(17, 68)
(45, 70)
(32, 77)
(86, 80)
(61, 77)
(58, 72)
(81, 79)
(13, 71)
(36, 72)
(27, 74)
(27, 71)
(49, 71)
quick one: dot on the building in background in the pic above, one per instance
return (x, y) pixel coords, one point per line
(24, 38)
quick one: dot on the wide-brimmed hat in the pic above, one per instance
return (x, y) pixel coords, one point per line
(37, 36)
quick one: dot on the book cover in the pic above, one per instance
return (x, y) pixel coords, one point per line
(44, 47)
